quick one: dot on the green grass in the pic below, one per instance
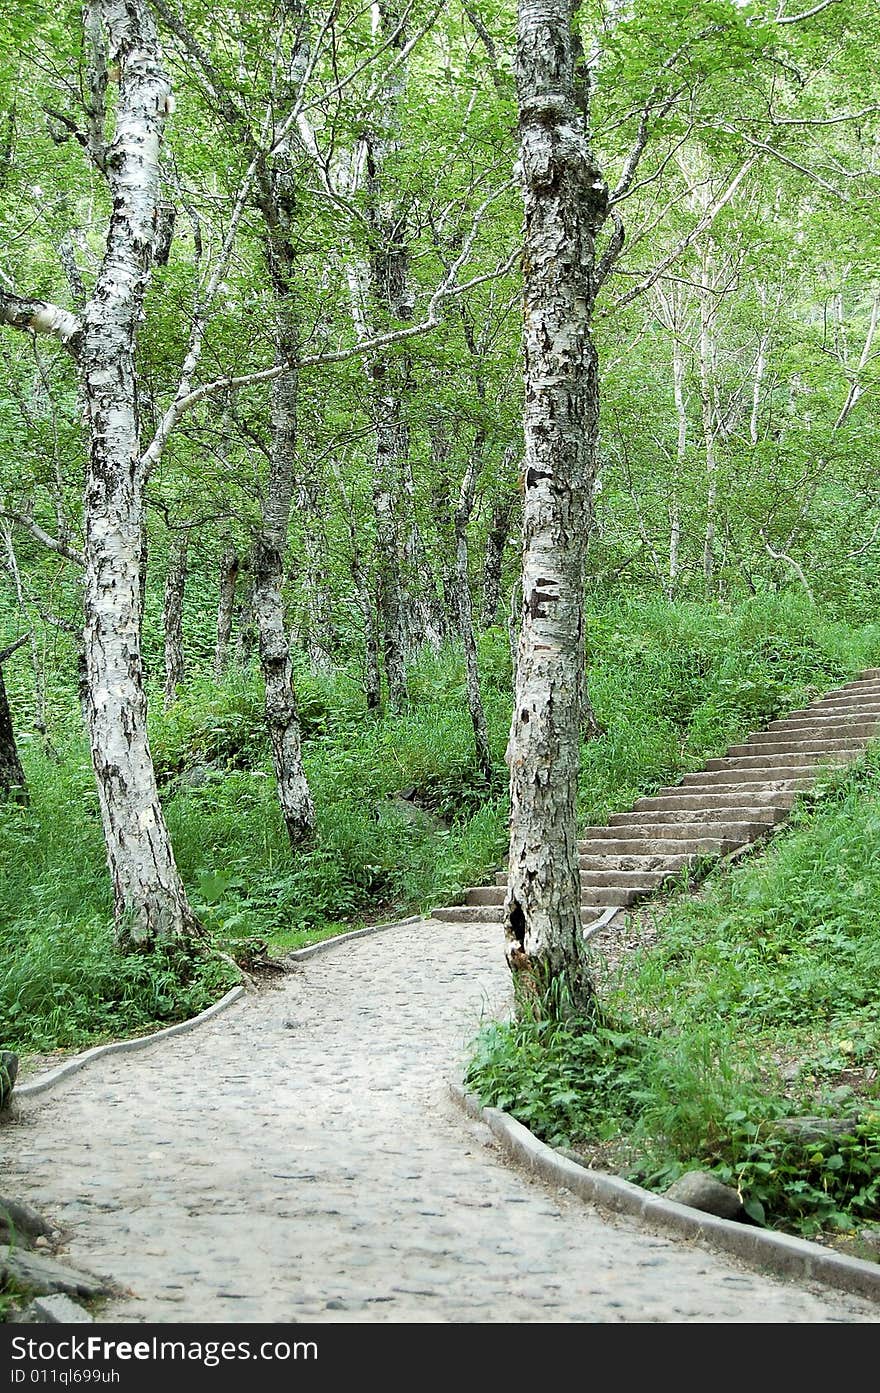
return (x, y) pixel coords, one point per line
(671, 684)
(760, 1002)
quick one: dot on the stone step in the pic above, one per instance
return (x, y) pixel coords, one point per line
(624, 895)
(743, 813)
(841, 705)
(814, 743)
(663, 862)
(859, 684)
(747, 785)
(776, 761)
(730, 775)
(483, 896)
(686, 849)
(695, 799)
(622, 879)
(492, 913)
(856, 730)
(853, 723)
(635, 862)
(596, 886)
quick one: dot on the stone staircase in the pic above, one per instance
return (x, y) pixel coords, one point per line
(729, 803)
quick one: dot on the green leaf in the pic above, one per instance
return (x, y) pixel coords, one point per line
(755, 1210)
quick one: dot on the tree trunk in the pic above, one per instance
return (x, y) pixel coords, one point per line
(40, 724)
(496, 541)
(282, 718)
(565, 201)
(150, 900)
(175, 585)
(372, 673)
(243, 619)
(678, 467)
(12, 780)
(709, 419)
(229, 565)
(424, 611)
(379, 291)
(462, 515)
(317, 635)
(389, 589)
(440, 511)
(372, 670)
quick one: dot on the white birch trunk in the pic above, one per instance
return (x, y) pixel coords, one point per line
(565, 201)
(381, 286)
(282, 718)
(150, 900)
(708, 418)
(680, 451)
(389, 591)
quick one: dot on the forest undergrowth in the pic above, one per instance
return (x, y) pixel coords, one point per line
(742, 1041)
(404, 821)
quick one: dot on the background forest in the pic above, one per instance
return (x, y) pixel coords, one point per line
(311, 561)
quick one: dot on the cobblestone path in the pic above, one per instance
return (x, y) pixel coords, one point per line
(299, 1159)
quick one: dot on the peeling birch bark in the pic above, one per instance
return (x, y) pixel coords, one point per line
(150, 899)
(566, 201)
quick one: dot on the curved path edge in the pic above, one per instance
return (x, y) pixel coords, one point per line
(778, 1252)
(45, 1081)
(138, 1042)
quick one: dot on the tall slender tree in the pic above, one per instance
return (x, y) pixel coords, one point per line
(566, 203)
(123, 49)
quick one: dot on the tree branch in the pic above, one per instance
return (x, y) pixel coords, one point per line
(13, 647)
(701, 226)
(42, 536)
(806, 14)
(39, 317)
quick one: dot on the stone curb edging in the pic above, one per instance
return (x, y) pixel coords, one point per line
(778, 1252)
(300, 954)
(139, 1042)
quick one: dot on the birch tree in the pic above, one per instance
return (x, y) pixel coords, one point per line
(566, 202)
(122, 46)
(12, 778)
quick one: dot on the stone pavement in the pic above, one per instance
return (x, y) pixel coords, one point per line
(299, 1159)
